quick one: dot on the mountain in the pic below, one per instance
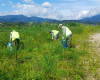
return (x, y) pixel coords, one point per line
(93, 19)
(22, 18)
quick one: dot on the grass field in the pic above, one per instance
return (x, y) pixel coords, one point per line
(40, 58)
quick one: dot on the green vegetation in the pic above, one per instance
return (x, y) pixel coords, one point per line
(39, 58)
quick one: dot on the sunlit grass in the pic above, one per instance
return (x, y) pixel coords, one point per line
(39, 58)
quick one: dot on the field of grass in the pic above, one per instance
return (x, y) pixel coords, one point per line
(40, 58)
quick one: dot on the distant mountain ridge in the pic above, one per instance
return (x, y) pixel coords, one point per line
(22, 18)
(93, 19)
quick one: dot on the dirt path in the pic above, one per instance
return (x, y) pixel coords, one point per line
(96, 41)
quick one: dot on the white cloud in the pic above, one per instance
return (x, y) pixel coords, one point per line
(89, 13)
(3, 4)
(51, 12)
(82, 14)
(46, 4)
(44, 11)
(29, 1)
(28, 10)
(48, 10)
(35, 10)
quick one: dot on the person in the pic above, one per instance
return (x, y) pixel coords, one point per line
(67, 34)
(55, 34)
(15, 38)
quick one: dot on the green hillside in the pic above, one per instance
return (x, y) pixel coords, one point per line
(40, 58)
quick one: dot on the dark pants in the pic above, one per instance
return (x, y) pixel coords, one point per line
(69, 40)
(16, 43)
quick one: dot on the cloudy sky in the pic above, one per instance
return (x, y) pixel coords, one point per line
(53, 9)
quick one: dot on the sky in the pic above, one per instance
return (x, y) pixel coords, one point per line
(53, 9)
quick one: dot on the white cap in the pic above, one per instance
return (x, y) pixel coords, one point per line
(60, 24)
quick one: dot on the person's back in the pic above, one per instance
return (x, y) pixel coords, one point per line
(15, 38)
(15, 35)
(55, 34)
(66, 31)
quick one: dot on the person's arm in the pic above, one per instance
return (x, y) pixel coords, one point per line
(10, 37)
(64, 32)
(52, 35)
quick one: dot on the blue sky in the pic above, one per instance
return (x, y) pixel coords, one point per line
(54, 9)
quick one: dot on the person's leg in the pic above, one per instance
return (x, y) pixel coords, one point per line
(17, 43)
(68, 40)
(14, 43)
(57, 35)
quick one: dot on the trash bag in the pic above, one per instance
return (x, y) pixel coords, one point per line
(10, 46)
(63, 43)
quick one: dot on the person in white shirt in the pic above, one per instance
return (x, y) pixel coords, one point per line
(67, 34)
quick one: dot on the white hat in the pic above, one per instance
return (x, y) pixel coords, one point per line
(60, 24)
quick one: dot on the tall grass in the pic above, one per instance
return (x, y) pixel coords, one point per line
(39, 58)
